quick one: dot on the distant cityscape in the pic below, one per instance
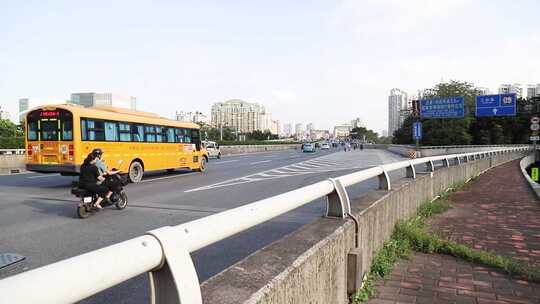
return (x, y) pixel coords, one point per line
(246, 117)
(399, 102)
(240, 115)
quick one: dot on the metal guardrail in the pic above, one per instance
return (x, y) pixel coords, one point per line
(460, 146)
(11, 151)
(165, 252)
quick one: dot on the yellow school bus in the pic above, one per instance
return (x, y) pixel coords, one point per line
(59, 137)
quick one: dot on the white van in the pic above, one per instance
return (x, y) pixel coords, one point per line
(212, 148)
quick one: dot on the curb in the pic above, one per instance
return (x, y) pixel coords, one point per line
(524, 163)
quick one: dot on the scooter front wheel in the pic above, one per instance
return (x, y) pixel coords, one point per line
(122, 201)
(83, 212)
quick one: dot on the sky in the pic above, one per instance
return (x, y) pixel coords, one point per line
(324, 62)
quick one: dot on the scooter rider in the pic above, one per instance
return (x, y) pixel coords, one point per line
(89, 179)
(111, 184)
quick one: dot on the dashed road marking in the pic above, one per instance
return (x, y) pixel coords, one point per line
(167, 177)
(226, 161)
(41, 176)
(260, 162)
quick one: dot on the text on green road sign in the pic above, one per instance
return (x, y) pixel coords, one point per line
(534, 174)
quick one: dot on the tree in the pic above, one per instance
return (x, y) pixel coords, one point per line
(215, 133)
(11, 135)
(361, 132)
(470, 129)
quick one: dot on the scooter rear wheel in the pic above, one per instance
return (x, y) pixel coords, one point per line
(83, 212)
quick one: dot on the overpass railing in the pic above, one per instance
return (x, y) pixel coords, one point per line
(11, 151)
(164, 253)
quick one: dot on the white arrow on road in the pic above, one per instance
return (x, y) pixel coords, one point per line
(494, 111)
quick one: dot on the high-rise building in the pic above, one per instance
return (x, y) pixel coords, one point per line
(287, 129)
(310, 127)
(531, 90)
(242, 116)
(275, 127)
(299, 129)
(196, 117)
(385, 133)
(93, 99)
(511, 88)
(26, 104)
(357, 123)
(343, 130)
(397, 103)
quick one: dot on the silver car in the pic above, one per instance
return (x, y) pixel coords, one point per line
(308, 147)
(212, 148)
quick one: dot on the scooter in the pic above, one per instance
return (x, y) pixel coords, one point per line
(85, 208)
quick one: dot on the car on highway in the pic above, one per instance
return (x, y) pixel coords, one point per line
(212, 148)
(308, 147)
(325, 146)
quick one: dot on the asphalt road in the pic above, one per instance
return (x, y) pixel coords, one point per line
(38, 215)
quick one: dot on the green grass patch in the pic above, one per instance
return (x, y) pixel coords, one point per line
(413, 235)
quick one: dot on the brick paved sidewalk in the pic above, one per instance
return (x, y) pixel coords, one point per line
(441, 279)
(496, 212)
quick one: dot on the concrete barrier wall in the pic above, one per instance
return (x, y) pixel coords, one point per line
(11, 162)
(241, 149)
(16, 162)
(310, 265)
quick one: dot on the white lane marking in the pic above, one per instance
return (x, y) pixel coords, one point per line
(326, 163)
(41, 176)
(226, 161)
(284, 171)
(167, 177)
(260, 162)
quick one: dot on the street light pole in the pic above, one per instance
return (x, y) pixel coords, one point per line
(220, 125)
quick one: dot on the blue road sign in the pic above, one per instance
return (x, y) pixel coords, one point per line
(496, 105)
(451, 107)
(417, 130)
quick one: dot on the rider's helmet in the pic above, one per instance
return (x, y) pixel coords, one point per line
(97, 152)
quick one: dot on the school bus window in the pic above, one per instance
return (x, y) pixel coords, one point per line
(67, 130)
(49, 129)
(150, 134)
(159, 135)
(137, 133)
(96, 131)
(187, 135)
(32, 131)
(111, 132)
(124, 131)
(170, 135)
(83, 130)
(179, 135)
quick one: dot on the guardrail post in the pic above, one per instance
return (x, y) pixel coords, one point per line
(384, 181)
(458, 161)
(429, 166)
(337, 203)
(410, 171)
(446, 162)
(175, 281)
